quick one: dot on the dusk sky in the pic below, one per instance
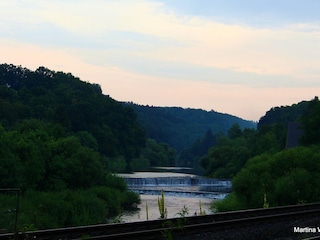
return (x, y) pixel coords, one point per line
(240, 57)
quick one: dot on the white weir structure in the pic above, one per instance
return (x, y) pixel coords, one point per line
(177, 184)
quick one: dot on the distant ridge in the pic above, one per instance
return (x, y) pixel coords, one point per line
(181, 127)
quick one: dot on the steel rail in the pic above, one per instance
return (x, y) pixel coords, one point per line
(146, 228)
(209, 226)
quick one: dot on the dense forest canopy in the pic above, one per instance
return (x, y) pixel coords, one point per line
(180, 127)
(264, 172)
(189, 132)
(79, 107)
(60, 139)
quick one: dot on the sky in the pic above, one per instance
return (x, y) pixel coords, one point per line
(240, 57)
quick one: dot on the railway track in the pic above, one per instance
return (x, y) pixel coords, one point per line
(176, 226)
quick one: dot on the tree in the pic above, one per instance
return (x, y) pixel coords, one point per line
(311, 122)
(158, 154)
(228, 156)
(76, 106)
(234, 131)
(57, 136)
(224, 161)
(286, 177)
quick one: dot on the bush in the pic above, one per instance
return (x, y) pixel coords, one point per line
(287, 177)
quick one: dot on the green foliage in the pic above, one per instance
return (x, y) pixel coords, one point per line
(201, 211)
(311, 121)
(286, 177)
(65, 208)
(267, 142)
(33, 158)
(231, 152)
(229, 155)
(190, 157)
(113, 181)
(183, 212)
(225, 161)
(167, 232)
(158, 154)
(265, 201)
(171, 225)
(271, 175)
(7, 209)
(234, 131)
(140, 164)
(295, 187)
(77, 107)
(281, 116)
(117, 164)
(231, 203)
(162, 208)
(181, 128)
(59, 138)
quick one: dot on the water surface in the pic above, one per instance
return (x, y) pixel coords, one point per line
(173, 204)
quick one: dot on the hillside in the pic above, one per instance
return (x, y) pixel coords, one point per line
(283, 114)
(266, 171)
(60, 141)
(78, 107)
(180, 127)
(232, 151)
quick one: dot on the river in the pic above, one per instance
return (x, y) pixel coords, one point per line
(173, 202)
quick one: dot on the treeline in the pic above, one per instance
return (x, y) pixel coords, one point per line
(66, 208)
(62, 182)
(155, 154)
(264, 172)
(60, 141)
(190, 157)
(188, 132)
(78, 107)
(230, 153)
(181, 128)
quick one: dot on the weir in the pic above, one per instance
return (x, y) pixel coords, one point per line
(190, 194)
(196, 183)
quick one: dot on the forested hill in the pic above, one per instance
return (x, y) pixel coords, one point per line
(180, 127)
(60, 140)
(78, 107)
(265, 171)
(283, 114)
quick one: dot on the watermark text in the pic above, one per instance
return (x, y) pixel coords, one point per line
(306, 229)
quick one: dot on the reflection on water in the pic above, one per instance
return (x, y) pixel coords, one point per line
(173, 205)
